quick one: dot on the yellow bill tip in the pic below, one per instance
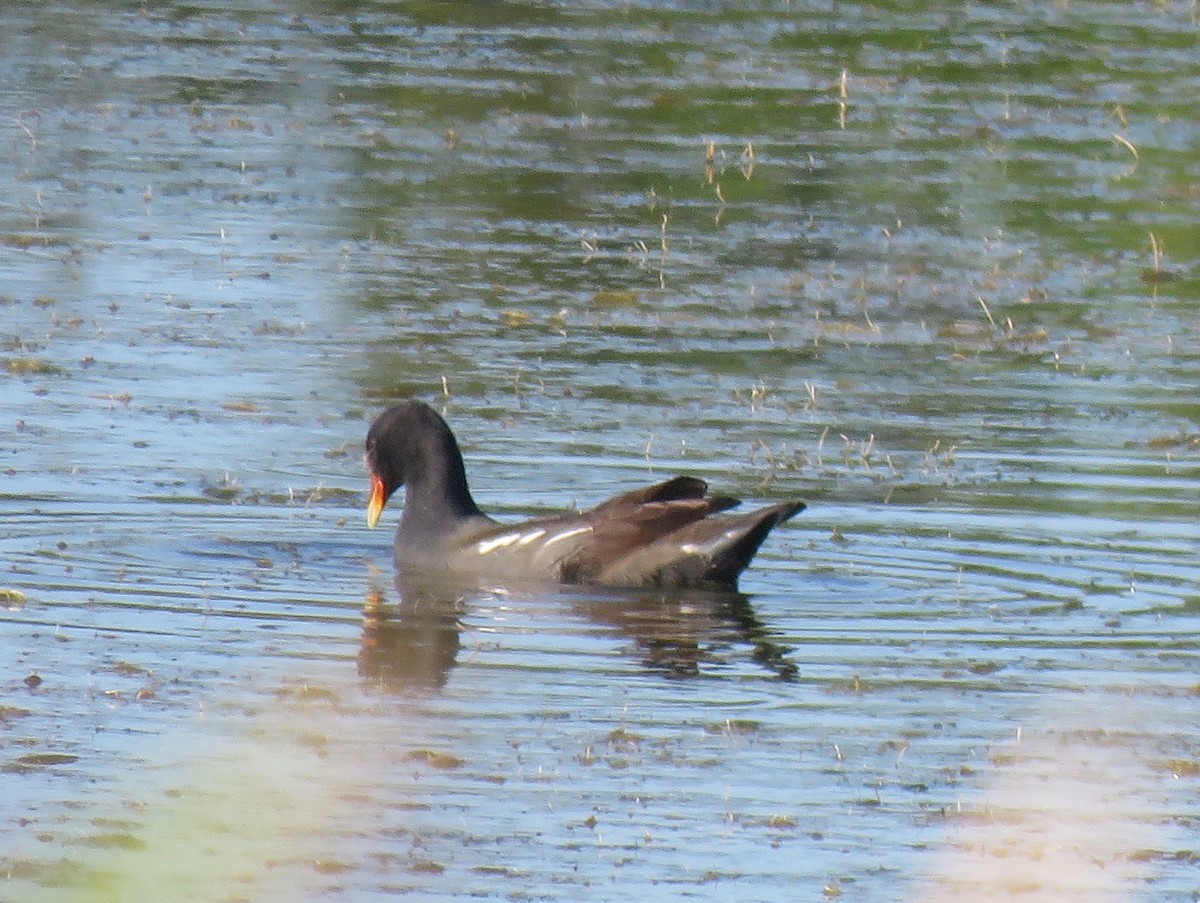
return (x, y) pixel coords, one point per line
(376, 502)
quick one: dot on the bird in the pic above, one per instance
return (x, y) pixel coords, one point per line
(665, 535)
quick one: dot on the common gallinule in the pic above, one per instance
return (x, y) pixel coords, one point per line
(661, 535)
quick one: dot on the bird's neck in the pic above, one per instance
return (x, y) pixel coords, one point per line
(437, 498)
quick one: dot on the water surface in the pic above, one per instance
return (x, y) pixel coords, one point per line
(934, 270)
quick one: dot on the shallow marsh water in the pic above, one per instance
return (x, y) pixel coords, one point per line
(900, 261)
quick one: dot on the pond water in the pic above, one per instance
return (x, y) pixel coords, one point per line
(933, 268)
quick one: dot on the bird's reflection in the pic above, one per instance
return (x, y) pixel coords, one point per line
(414, 643)
(677, 633)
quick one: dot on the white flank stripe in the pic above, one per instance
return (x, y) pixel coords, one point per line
(531, 536)
(567, 535)
(499, 542)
